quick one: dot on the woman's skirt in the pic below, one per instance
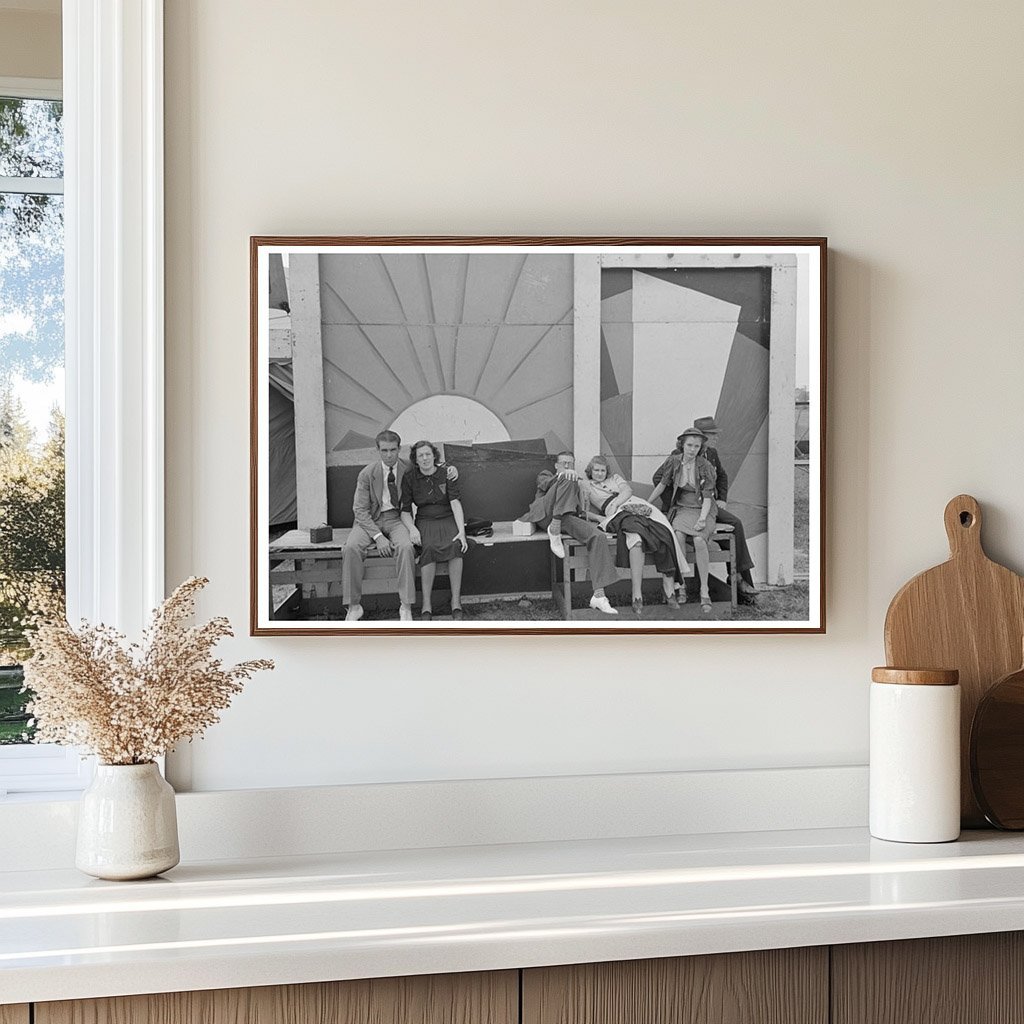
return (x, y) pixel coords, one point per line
(438, 543)
(655, 539)
(684, 519)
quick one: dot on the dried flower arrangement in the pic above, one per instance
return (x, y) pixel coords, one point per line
(129, 704)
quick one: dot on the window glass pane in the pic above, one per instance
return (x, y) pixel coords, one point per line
(31, 138)
(31, 432)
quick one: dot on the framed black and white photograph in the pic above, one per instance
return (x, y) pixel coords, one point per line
(537, 435)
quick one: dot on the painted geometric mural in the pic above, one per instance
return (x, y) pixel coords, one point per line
(459, 348)
(677, 344)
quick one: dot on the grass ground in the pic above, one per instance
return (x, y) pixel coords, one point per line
(801, 521)
(771, 604)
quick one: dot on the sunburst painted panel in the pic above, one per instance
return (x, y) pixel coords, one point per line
(491, 287)
(550, 418)
(527, 362)
(356, 290)
(399, 327)
(448, 276)
(543, 294)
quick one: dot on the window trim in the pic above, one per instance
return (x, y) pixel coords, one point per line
(32, 88)
(114, 331)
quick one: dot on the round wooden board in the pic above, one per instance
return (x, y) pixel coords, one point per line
(997, 752)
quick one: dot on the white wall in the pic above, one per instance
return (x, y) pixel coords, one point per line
(894, 129)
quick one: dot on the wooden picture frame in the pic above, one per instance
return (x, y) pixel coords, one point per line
(504, 352)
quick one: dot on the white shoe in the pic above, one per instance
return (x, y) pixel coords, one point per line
(405, 613)
(555, 540)
(602, 605)
(355, 611)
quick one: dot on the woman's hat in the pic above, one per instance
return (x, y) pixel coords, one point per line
(706, 423)
(692, 432)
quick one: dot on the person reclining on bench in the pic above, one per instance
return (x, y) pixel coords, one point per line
(640, 529)
(378, 523)
(559, 507)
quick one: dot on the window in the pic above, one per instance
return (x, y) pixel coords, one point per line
(32, 534)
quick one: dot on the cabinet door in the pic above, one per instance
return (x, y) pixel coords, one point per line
(778, 986)
(491, 998)
(14, 1014)
(962, 979)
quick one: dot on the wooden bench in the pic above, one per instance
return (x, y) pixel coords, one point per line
(298, 562)
(574, 566)
(316, 568)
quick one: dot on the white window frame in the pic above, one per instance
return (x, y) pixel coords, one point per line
(114, 336)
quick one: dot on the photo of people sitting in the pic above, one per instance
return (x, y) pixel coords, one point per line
(411, 510)
(643, 461)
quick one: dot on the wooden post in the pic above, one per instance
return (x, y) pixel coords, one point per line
(308, 372)
(781, 424)
(586, 355)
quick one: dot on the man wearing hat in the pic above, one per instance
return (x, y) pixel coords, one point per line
(744, 563)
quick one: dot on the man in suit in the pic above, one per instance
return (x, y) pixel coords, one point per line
(744, 563)
(559, 507)
(378, 523)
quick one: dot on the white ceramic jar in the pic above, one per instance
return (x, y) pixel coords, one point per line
(915, 755)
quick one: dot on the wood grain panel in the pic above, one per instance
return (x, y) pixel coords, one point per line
(14, 1014)
(962, 979)
(779, 986)
(481, 998)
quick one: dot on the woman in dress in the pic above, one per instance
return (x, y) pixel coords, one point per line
(439, 530)
(640, 529)
(690, 481)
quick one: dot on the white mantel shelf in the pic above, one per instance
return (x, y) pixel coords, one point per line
(225, 924)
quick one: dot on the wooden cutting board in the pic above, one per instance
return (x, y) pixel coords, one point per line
(967, 614)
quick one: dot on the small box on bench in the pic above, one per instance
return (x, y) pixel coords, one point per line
(320, 534)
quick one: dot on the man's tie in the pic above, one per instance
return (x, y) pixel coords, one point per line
(393, 487)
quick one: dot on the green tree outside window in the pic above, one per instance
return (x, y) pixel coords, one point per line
(32, 541)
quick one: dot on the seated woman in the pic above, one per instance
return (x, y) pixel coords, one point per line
(440, 527)
(690, 481)
(640, 529)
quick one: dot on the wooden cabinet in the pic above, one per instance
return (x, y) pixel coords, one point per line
(963, 979)
(777, 986)
(969, 979)
(491, 998)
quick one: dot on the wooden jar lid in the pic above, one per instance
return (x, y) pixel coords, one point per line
(918, 676)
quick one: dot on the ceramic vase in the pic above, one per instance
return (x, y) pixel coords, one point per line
(127, 825)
